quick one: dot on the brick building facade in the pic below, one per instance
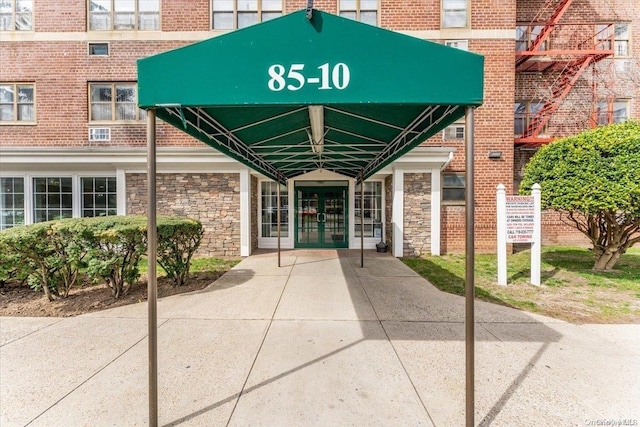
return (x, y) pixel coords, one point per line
(72, 140)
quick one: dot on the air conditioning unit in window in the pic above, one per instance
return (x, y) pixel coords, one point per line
(99, 134)
(454, 132)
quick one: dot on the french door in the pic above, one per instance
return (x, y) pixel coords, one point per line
(321, 217)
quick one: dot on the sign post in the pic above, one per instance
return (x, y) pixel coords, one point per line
(518, 222)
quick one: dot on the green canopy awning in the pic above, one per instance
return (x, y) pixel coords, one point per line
(293, 95)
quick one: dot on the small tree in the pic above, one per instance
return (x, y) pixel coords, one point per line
(178, 240)
(116, 246)
(593, 179)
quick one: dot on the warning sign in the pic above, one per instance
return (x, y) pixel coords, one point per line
(520, 219)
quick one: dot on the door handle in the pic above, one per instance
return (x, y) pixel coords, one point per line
(318, 217)
(324, 217)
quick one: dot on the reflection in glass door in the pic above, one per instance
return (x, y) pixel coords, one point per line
(321, 217)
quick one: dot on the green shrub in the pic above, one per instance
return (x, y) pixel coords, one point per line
(178, 240)
(32, 244)
(12, 269)
(69, 240)
(116, 244)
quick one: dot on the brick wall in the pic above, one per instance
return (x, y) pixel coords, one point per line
(417, 214)
(214, 199)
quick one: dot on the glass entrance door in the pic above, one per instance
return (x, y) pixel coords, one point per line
(321, 217)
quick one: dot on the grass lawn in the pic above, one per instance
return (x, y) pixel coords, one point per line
(570, 290)
(198, 265)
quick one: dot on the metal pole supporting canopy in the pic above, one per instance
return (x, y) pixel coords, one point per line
(469, 293)
(152, 282)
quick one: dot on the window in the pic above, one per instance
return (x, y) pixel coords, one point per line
(17, 103)
(454, 14)
(114, 102)
(613, 111)
(526, 35)
(52, 199)
(523, 114)
(269, 199)
(359, 10)
(11, 202)
(458, 44)
(99, 196)
(372, 209)
(99, 49)
(16, 15)
(106, 15)
(621, 40)
(453, 187)
(230, 14)
(455, 131)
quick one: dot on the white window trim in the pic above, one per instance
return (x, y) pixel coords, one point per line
(272, 242)
(76, 185)
(369, 242)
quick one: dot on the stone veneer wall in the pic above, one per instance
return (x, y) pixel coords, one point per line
(211, 198)
(254, 213)
(388, 212)
(417, 214)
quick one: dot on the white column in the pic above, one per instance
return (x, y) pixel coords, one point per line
(397, 216)
(435, 211)
(245, 212)
(537, 235)
(121, 191)
(501, 230)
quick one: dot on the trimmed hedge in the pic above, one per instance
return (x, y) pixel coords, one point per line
(51, 254)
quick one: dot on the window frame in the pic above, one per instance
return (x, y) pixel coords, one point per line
(140, 114)
(107, 208)
(235, 12)
(454, 43)
(358, 11)
(443, 187)
(13, 209)
(16, 104)
(34, 205)
(13, 13)
(443, 12)
(626, 40)
(374, 207)
(284, 219)
(527, 117)
(102, 55)
(136, 12)
(609, 114)
(529, 32)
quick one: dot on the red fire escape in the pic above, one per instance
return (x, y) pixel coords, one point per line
(562, 52)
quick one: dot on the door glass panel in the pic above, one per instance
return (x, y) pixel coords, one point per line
(308, 225)
(333, 217)
(321, 217)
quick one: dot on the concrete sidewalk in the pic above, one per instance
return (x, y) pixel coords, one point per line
(316, 342)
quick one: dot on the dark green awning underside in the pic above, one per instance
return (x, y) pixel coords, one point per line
(247, 93)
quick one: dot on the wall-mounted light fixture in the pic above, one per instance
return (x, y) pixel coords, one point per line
(316, 117)
(495, 155)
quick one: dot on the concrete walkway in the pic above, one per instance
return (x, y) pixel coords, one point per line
(317, 342)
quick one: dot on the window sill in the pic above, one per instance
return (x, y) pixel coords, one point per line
(453, 203)
(99, 123)
(18, 123)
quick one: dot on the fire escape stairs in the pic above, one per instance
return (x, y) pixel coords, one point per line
(564, 83)
(560, 9)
